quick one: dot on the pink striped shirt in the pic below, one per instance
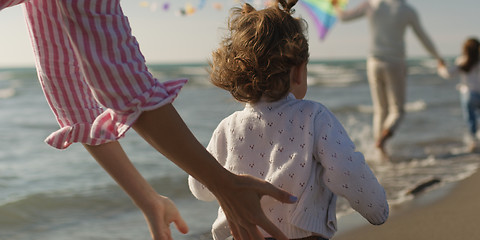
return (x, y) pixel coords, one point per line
(91, 69)
(9, 3)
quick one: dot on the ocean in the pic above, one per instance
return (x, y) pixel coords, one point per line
(53, 194)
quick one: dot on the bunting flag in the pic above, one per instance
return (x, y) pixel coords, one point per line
(187, 10)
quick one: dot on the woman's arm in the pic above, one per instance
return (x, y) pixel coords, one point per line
(423, 36)
(158, 210)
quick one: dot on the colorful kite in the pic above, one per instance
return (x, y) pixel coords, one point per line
(323, 14)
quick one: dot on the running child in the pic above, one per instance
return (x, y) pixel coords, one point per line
(467, 66)
(294, 144)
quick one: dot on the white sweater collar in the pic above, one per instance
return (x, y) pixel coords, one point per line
(264, 103)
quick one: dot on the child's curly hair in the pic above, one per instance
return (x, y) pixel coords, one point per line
(255, 59)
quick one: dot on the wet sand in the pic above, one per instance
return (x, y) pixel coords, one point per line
(449, 212)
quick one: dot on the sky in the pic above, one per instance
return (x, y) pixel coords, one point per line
(167, 37)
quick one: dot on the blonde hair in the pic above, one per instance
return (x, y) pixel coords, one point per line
(255, 58)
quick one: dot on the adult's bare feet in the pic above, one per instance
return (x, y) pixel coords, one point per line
(386, 134)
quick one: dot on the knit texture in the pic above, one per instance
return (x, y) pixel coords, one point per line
(298, 146)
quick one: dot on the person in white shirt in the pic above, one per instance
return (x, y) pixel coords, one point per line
(294, 144)
(467, 67)
(386, 65)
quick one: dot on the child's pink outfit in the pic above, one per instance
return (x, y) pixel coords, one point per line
(91, 69)
(300, 147)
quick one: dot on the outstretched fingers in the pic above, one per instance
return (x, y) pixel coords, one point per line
(277, 193)
(245, 231)
(280, 195)
(159, 216)
(180, 224)
(173, 215)
(243, 210)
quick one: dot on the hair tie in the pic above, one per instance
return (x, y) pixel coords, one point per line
(287, 5)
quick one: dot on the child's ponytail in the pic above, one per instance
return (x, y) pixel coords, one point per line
(247, 8)
(287, 5)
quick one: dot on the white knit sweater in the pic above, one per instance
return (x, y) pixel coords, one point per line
(299, 146)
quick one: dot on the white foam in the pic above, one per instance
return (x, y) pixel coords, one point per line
(7, 75)
(7, 93)
(415, 106)
(201, 70)
(331, 75)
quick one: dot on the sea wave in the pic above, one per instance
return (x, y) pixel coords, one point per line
(7, 93)
(108, 195)
(333, 75)
(414, 106)
(5, 75)
(399, 177)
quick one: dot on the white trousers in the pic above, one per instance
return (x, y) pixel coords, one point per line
(387, 79)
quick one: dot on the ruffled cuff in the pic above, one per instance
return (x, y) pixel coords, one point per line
(11, 3)
(112, 125)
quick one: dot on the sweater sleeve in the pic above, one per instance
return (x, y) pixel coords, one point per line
(199, 190)
(357, 12)
(422, 35)
(345, 171)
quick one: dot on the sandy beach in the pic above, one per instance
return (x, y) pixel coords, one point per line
(449, 212)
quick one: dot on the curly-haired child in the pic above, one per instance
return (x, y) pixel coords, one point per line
(297, 145)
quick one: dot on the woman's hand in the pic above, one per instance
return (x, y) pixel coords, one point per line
(159, 215)
(240, 201)
(159, 211)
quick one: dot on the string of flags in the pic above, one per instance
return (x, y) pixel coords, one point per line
(191, 8)
(187, 10)
(321, 12)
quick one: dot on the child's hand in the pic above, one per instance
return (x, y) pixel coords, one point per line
(440, 63)
(161, 213)
(442, 71)
(241, 203)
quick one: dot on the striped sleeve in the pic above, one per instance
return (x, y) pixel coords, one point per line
(10, 3)
(92, 72)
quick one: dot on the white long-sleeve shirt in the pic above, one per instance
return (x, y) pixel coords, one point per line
(468, 81)
(388, 21)
(299, 146)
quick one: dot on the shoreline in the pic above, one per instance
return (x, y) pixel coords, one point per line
(450, 211)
